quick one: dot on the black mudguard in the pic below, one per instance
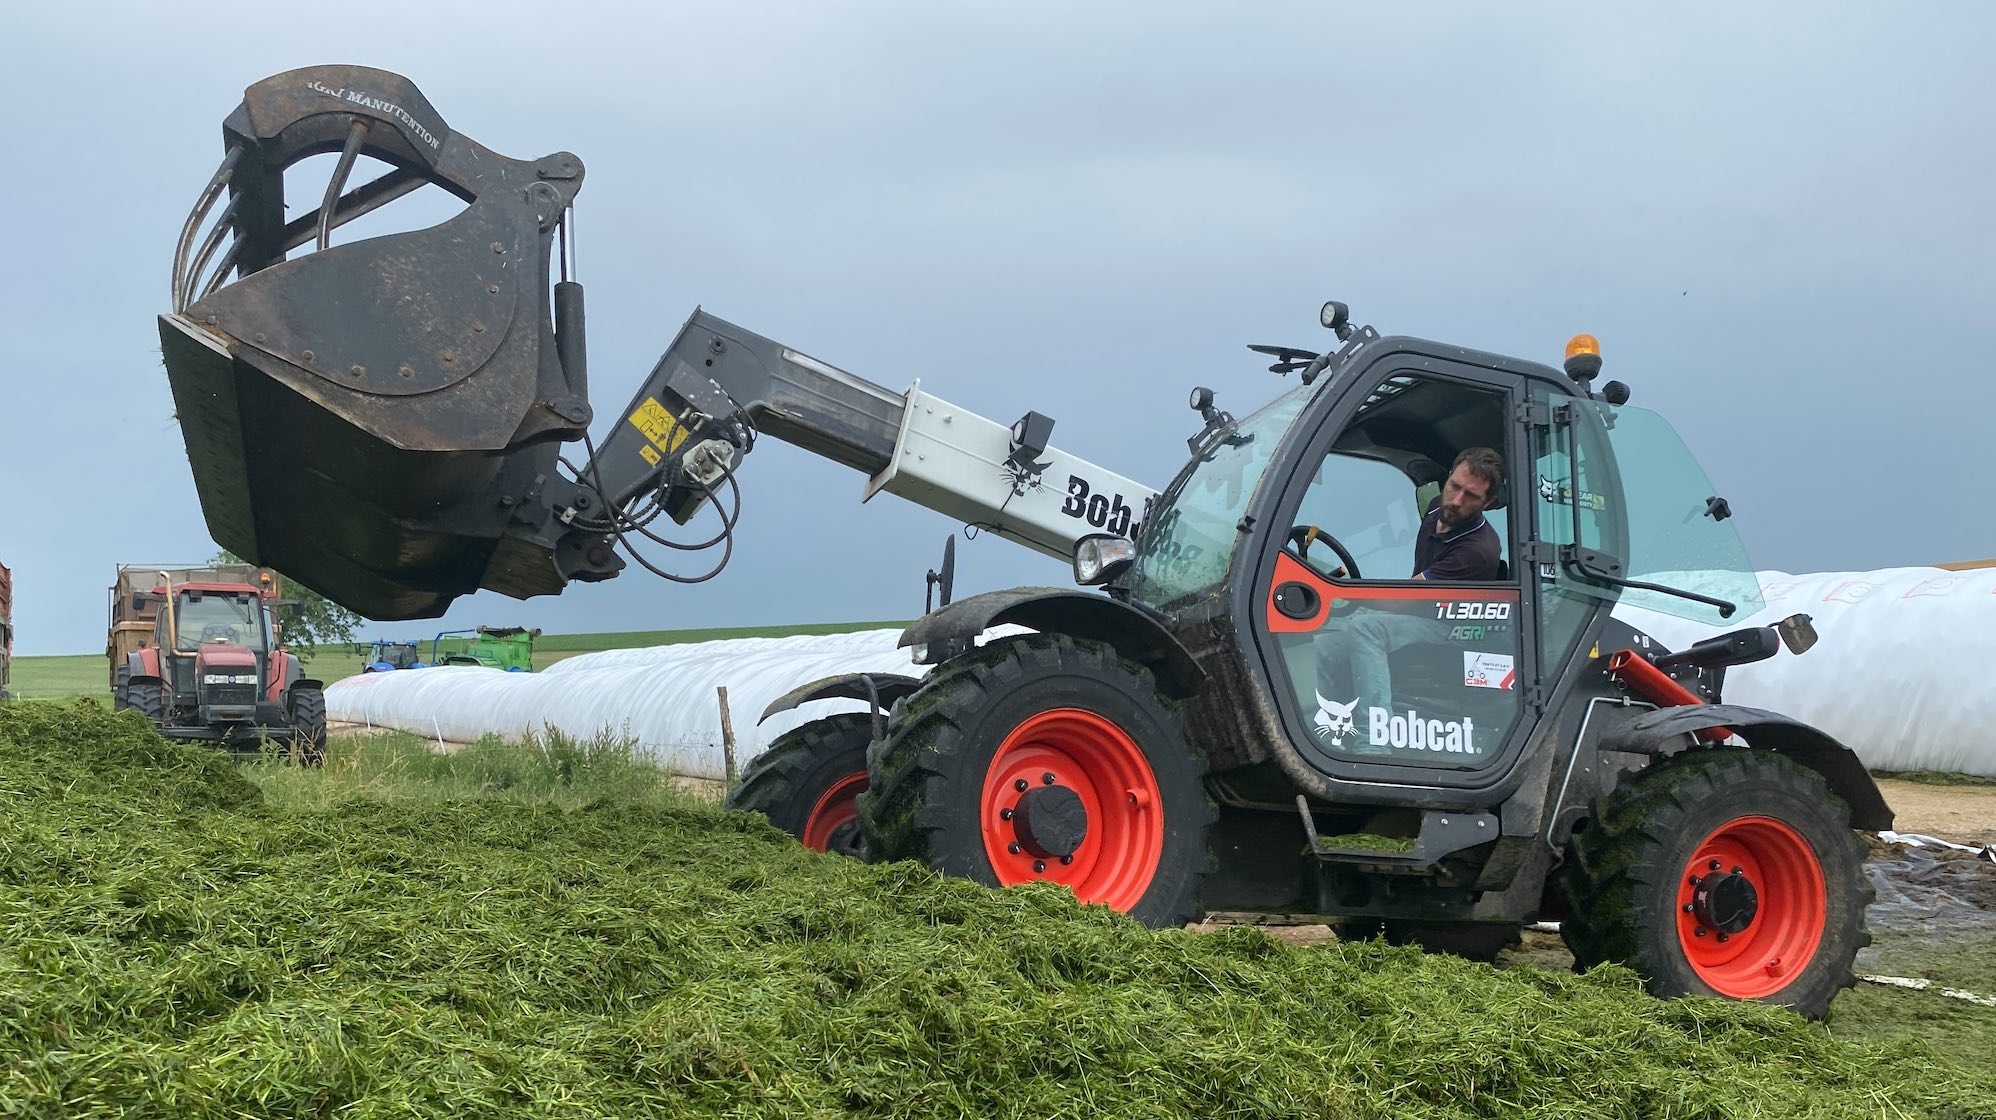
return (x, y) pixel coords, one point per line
(1077, 614)
(887, 688)
(1652, 733)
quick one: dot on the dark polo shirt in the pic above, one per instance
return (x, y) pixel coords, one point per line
(1468, 552)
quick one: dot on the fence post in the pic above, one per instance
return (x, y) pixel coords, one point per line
(727, 739)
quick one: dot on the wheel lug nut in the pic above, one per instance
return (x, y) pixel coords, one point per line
(1714, 865)
(1695, 880)
(1013, 848)
(1737, 871)
(1004, 814)
(1688, 908)
(1699, 932)
(1020, 785)
(1046, 778)
(1066, 860)
(1724, 936)
(1039, 865)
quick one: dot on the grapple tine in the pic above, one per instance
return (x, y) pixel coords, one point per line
(371, 418)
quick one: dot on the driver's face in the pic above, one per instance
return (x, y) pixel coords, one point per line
(1464, 495)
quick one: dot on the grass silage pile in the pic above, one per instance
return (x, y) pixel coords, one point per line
(172, 944)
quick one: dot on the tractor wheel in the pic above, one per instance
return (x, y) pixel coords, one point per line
(1722, 872)
(149, 700)
(308, 724)
(1476, 941)
(809, 780)
(122, 680)
(1044, 757)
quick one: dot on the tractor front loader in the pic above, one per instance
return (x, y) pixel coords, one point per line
(1248, 702)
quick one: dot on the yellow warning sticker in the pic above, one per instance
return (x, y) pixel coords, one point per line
(657, 424)
(650, 453)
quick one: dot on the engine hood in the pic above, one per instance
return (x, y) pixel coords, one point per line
(225, 656)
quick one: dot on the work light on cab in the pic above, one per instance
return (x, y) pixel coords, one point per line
(1101, 557)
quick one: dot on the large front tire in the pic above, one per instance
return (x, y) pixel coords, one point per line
(149, 700)
(308, 726)
(809, 780)
(1046, 758)
(1722, 872)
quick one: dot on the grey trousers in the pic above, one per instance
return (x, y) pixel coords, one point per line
(1366, 642)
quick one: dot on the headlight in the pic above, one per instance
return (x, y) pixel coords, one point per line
(1101, 557)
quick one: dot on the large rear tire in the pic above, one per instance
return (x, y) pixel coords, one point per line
(1722, 872)
(308, 726)
(809, 780)
(1046, 758)
(123, 678)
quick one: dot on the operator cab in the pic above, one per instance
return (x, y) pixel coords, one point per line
(1304, 516)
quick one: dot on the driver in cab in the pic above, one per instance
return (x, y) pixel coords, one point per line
(1455, 543)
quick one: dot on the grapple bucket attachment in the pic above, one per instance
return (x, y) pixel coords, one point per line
(380, 420)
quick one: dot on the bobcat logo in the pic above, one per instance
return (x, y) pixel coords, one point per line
(1023, 475)
(1548, 489)
(1334, 721)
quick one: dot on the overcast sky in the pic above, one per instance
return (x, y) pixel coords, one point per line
(1776, 217)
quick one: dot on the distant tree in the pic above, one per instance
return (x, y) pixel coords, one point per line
(319, 622)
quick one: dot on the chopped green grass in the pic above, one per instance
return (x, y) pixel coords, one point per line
(1365, 841)
(183, 937)
(1964, 1033)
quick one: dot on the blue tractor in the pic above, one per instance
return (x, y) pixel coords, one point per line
(384, 655)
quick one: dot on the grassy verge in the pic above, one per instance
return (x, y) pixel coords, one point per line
(183, 937)
(551, 769)
(1935, 777)
(72, 676)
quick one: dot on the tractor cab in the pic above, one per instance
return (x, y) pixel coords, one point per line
(1375, 656)
(216, 639)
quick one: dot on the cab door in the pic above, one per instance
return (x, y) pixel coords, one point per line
(1379, 673)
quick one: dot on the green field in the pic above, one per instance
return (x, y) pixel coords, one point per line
(73, 675)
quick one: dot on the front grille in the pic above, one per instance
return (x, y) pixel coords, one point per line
(230, 694)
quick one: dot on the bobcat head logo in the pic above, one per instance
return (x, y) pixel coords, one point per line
(1334, 721)
(1548, 489)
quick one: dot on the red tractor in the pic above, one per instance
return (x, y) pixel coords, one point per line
(196, 651)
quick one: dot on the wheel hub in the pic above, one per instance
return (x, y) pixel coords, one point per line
(1726, 903)
(1050, 821)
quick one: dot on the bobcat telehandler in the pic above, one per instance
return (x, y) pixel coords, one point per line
(383, 420)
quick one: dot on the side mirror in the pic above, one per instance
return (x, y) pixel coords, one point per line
(138, 600)
(1797, 633)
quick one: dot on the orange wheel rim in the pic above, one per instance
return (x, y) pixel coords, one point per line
(837, 808)
(1070, 798)
(1751, 904)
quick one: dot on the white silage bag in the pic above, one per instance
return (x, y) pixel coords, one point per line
(1901, 670)
(663, 697)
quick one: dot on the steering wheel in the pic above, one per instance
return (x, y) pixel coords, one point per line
(1303, 536)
